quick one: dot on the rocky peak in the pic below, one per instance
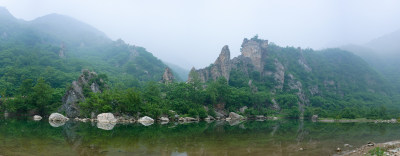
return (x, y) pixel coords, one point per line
(222, 64)
(255, 49)
(224, 56)
(167, 77)
(192, 74)
(87, 81)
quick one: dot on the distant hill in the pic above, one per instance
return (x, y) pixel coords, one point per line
(180, 72)
(383, 54)
(58, 47)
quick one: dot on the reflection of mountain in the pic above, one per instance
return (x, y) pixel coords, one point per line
(77, 142)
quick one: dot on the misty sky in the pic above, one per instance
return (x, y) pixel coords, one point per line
(191, 33)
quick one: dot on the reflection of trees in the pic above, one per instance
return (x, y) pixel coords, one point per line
(81, 139)
(282, 137)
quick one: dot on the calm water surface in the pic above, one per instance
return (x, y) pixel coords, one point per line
(282, 137)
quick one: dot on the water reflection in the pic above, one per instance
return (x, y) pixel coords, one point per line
(105, 126)
(284, 137)
(57, 123)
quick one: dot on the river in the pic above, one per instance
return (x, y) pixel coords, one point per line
(279, 137)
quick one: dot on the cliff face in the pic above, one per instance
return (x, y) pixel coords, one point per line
(76, 93)
(256, 50)
(253, 53)
(167, 77)
(256, 64)
(220, 68)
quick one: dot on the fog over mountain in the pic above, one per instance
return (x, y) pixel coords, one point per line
(191, 33)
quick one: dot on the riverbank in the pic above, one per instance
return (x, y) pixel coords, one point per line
(391, 148)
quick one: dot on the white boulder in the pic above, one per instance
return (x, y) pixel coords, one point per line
(37, 117)
(106, 118)
(57, 117)
(146, 121)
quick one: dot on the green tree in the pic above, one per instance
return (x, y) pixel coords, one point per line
(42, 96)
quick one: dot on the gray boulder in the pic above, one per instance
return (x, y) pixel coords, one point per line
(57, 120)
(37, 117)
(106, 118)
(235, 116)
(57, 117)
(146, 121)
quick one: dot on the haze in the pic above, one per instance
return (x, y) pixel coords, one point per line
(192, 33)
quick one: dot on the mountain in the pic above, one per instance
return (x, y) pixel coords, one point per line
(382, 54)
(58, 48)
(329, 80)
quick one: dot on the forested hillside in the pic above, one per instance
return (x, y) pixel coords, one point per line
(57, 48)
(383, 54)
(331, 83)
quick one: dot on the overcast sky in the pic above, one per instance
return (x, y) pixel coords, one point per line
(191, 33)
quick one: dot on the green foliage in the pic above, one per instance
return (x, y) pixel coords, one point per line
(378, 151)
(211, 112)
(294, 112)
(41, 98)
(287, 101)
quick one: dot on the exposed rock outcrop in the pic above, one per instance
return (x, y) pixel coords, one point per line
(167, 77)
(253, 54)
(259, 64)
(220, 68)
(75, 94)
(255, 49)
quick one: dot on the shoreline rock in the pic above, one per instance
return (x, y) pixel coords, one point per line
(235, 116)
(146, 121)
(37, 117)
(106, 118)
(57, 117)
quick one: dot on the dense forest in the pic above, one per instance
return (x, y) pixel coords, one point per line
(39, 59)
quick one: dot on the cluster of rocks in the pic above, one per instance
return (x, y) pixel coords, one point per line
(386, 121)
